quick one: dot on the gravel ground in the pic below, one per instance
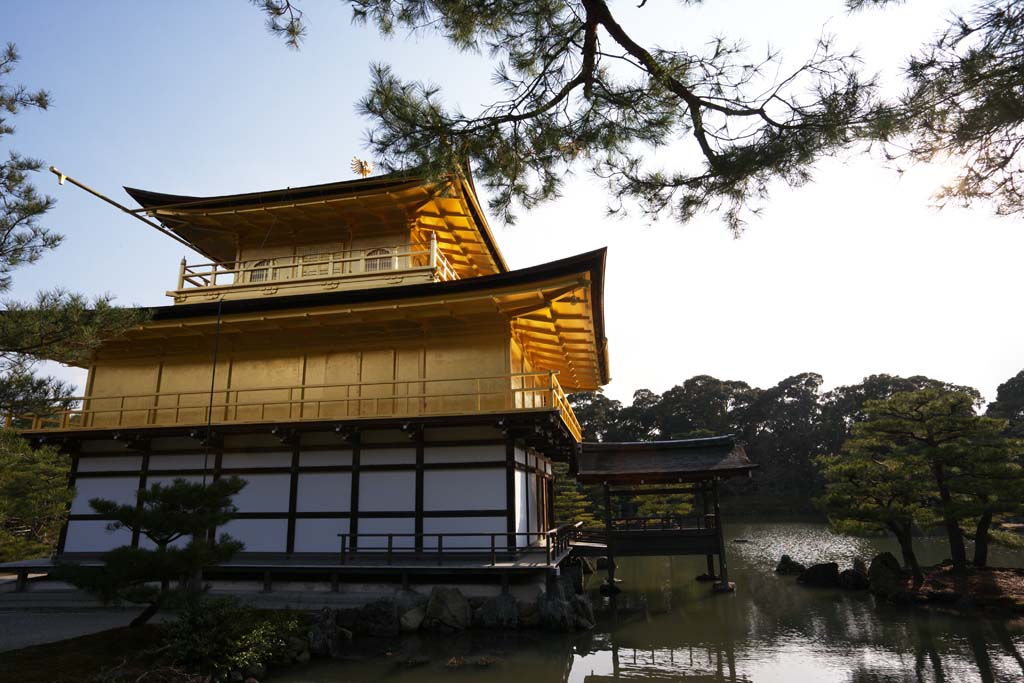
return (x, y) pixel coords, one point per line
(25, 627)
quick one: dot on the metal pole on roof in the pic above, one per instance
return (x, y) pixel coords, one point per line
(61, 177)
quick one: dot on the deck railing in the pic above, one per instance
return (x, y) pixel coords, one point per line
(391, 398)
(432, 547)
(348, 263)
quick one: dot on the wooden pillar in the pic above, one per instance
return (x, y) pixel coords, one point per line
(143, 477)
(420, 459)
(706, 504)
(293, 496)
(723, 586)
(72, 475)
(510, 494)
(353, 518)
(608, 534)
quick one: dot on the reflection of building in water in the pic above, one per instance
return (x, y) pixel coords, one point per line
(694, 664)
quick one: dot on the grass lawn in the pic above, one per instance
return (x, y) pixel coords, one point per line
(77, 659)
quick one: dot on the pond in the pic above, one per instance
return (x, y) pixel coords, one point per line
(669, 628)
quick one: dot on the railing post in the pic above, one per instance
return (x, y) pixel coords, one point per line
(440, 549)
(391, 545)
(344, 547)
(181, 274)
(547, 548)
(433, 250)
(494, 558)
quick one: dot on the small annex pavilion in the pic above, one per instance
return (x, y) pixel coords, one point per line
(392, 393)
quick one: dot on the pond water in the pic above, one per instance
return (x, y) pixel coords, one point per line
(669, 628)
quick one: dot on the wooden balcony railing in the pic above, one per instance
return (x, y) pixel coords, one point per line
(392, 398)
(349, 263)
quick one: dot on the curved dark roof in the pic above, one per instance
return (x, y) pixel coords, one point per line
(652, 462)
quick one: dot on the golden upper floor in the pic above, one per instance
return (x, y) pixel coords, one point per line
(375, 232)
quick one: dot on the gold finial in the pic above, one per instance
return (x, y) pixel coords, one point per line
(361, 167)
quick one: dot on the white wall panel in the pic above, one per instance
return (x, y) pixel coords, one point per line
(388, 456)
(494, 453)
(521, 506)
(91, 536)
(166, 479)
(194, 461)
(520, 455)
(110, 463)
(534, 505)
(264, 493)
(470, 489)
(324, 492)
(256, 460)
(382, 491)
(451, 525)
(118, 489)
(324, 458)
(386, 526)
(319, 535)
(258, 535)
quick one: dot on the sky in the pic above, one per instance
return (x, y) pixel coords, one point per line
(854, 274)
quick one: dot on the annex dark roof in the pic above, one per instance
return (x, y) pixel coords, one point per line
(652, 462)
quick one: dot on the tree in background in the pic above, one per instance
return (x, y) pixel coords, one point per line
(571, 503)
(34, 496)
(964, 453)
(58, 325)
(1009, 405)
(183, 511)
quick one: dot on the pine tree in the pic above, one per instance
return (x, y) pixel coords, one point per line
(58, 325)
(165, 514)
(571, 504)
(34, 496)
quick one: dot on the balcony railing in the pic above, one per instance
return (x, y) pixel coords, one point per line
(350, 263)
(392, 398)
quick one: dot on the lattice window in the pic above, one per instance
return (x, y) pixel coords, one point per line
(315, 259)
(260, 271)
(379, 259)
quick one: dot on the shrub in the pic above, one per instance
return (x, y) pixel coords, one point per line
(220, 635)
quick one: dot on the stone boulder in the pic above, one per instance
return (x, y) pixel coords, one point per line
(787, 565)
(860, 565)
(447, 610)
(824, 575)
(528, 615)
(379, 619)
(555, 614)
(325, 637)
(886, 576)
(501, 611)
(853, 580)
(582, 613)
(411, 608)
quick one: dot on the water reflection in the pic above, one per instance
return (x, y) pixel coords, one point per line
(666, 627)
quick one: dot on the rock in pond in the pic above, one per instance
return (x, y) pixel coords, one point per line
(412, 609)
(379, 619)
(853, 580)
(501, 611)
(825, 575)
(787, 565)
(886, 576)
(447, 610)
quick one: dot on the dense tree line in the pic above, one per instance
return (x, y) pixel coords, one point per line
(786, 427)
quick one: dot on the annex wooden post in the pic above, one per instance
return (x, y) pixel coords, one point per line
(723, 585)
(608, 534)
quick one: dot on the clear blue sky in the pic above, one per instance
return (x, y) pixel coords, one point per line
(852, 275)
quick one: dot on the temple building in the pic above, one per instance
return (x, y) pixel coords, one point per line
(360, 353)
